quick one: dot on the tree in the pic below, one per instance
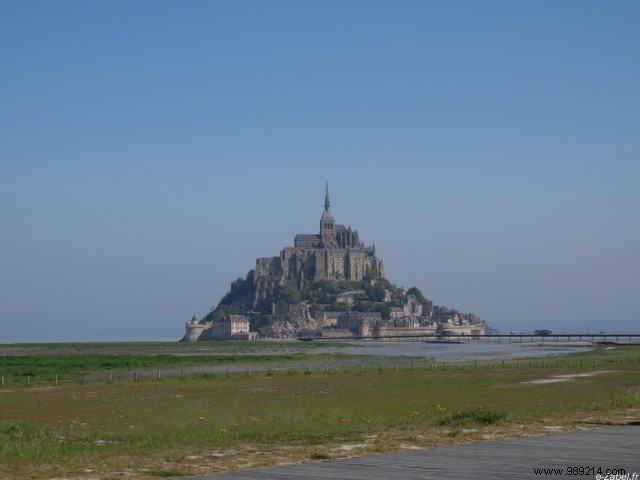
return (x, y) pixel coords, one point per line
(338, 307)
(222, 311)
(324, 286)
(362, 307)
(375, 292)
(416, 293)
(383, 309)
(240, 290)
(387, 284)
(290, 296)
(236, 301)
(372, 275)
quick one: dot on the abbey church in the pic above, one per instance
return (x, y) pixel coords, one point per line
(336, 252)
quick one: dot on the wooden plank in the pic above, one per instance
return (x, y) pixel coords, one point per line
(608, 448)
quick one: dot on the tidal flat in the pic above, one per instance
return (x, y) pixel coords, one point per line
(57, 363)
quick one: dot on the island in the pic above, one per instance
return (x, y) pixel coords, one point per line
(328, 285)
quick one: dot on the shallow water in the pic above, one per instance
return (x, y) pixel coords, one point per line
(462, 351)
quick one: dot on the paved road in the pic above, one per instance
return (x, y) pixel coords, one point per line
(611, 448)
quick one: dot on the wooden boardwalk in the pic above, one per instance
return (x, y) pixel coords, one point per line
(614, 448)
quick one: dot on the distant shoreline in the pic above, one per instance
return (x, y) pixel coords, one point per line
(456, 352)
(443, 350)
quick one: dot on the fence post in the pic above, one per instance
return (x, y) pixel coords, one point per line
(3, 380)
(56, 381)
(135, 377)
(158, 374)
(110, 377)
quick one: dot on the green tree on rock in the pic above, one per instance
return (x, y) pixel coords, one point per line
(290, 296)
(375, 292)
(384, 310)
(415, 291)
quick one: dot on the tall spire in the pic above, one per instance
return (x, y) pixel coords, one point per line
(326, 196)
(327, 223)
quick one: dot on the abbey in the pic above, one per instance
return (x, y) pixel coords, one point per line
(336, 252)
(328, 285)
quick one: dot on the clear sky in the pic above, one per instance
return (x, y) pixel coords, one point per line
(150, 151)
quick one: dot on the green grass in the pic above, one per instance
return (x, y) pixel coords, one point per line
(472, 416)
(67, 361)
(206, 424)
(154, 346)
(73, 364)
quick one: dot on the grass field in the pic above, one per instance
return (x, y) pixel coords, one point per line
(39, 364)
(207, 424)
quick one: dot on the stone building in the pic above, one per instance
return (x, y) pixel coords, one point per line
(411, 306)
(359, 321)
(232, 327)
(336, 252)
(372, 325)
(195, 329)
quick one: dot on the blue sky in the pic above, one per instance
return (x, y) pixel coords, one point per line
(151, 151)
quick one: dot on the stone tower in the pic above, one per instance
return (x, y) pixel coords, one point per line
(328, 224)
(336, 253)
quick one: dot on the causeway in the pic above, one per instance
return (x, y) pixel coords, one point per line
(613, 450)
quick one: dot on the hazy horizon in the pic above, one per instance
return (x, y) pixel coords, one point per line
(151, 151)
(144, 333)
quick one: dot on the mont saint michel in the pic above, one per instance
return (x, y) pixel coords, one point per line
(327, 285)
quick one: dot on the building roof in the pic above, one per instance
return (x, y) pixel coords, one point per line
(326, 215)
(307, 236)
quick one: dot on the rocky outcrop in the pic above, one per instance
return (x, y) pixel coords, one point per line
(293, 321)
